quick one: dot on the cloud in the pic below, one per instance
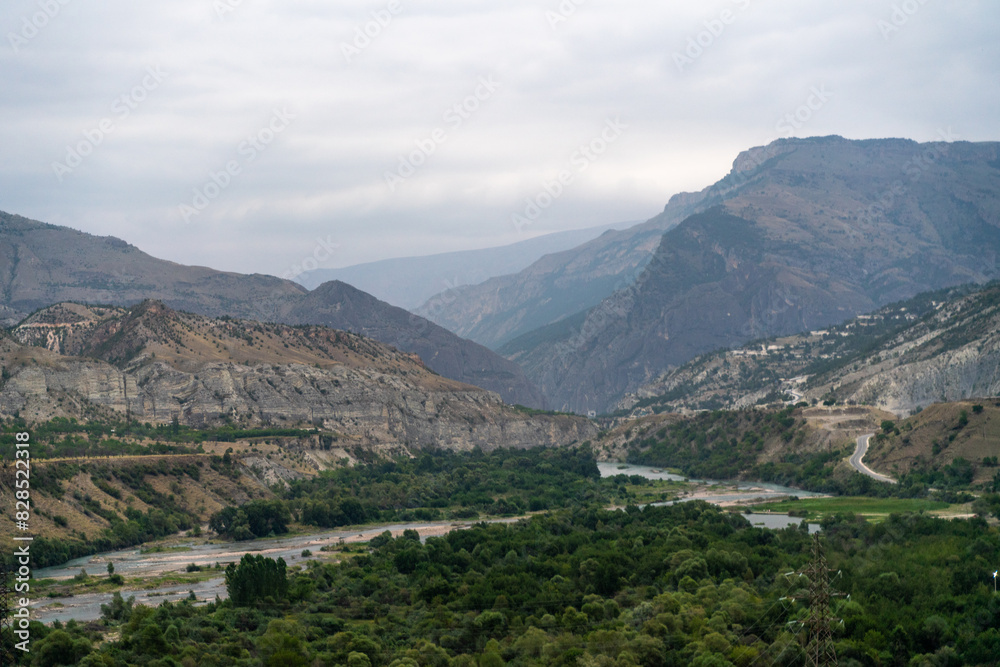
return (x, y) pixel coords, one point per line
(370, 83)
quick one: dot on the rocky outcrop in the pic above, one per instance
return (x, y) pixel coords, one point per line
(368, 408)
(951, 356)
(173, 366)
(954, 376)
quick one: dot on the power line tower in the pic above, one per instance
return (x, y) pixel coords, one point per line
(820, 651)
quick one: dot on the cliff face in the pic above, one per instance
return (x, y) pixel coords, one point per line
(950, 356)
(154, 365)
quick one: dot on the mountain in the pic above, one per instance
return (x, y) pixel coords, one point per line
(408, 282)
(42, 264)
(559, 284)
(809, 232)
(153, 364)
(340, 306)
(938, 346)
(951, 354)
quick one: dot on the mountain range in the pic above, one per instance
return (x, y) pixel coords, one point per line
(408, 282)
(43, 264)
(806, 233)
(800, 235)
(559, 284)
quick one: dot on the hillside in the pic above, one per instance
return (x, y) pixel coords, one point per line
(42, 264)
(938, 346)
(820, 230)
(340, 306)
(559, 284)
(956, 442)
(408, 282)
(152, 364)
(805, 448)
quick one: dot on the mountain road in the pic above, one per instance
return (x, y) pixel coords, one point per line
(859, 454)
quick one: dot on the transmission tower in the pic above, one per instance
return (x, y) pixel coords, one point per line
(820, 651)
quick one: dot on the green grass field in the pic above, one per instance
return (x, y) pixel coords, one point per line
(817, 508)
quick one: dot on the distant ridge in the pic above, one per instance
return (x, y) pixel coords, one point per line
(43, 264)
(408, 282)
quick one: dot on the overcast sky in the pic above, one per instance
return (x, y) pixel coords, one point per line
(249, 135)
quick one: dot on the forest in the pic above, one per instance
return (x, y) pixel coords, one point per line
(688, 584)
(575, 583)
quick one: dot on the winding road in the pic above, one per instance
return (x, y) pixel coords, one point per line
(859, 454)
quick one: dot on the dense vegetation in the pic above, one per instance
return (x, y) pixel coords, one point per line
(441, 484)
(728, 444)
(61, 437)
(435, 485)
(682, 585)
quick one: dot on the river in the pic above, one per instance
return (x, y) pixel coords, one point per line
(133, 563)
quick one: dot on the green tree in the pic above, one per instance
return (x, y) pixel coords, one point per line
(255, 578)
(61, 648)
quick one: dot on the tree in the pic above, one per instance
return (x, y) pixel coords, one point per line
(256, 578)
(111, 568)
(60, 648)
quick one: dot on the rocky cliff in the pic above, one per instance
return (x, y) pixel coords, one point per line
(152, 364)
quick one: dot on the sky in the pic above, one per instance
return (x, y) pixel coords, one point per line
(264, 136)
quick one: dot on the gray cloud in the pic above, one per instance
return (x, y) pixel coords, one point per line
(359, 107)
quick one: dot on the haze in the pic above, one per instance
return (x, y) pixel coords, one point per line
(441, 126)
